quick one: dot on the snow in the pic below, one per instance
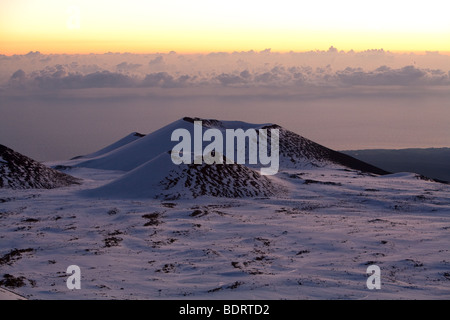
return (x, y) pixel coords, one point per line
(22, 172)
(137, 153)
(313, 240)
(160, 178)
(140, 182)
(116, 145)
(8, 295)
(315, 243)
(406, 175)
(132, 155)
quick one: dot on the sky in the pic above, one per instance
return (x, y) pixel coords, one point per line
(77, 75)
(143, 26)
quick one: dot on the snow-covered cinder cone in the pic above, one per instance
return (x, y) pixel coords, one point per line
(161, 178)
(295, 151)
(184, 160)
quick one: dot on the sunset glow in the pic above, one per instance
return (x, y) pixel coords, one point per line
(55, 26)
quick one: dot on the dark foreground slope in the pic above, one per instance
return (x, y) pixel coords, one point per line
(20, 172)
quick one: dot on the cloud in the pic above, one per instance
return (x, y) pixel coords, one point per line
(85, 68)
(18, 79)
(220, 69)
(230, 79)
(57, 78)
(33, 54)
(125, 66)
(105, 79)
(164, 80)
(60, 77)
(159, 60)
(332, 50)
(386, 76)
(19, 75)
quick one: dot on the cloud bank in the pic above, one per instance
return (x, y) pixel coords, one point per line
(58, 77)
(238, 69)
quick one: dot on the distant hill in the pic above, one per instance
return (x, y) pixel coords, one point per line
(150, 172)
(20, 172)
(431, 162)
(295, 151)
(126, 140)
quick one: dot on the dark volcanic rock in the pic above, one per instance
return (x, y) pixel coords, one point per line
(20, 172)
(217, 180)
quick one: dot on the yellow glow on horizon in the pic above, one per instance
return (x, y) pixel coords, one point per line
(142, 26)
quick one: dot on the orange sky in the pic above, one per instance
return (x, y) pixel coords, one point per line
(142, 26)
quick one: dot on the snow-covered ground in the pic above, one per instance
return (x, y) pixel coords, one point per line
(314, 242)
(9, 295)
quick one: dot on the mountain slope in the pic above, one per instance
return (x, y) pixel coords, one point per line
(295, 151)
(20, 172)
(431, 162)
(160, 178)
(298, 152)
(132, 155)
(116, 145)
(9, 295)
